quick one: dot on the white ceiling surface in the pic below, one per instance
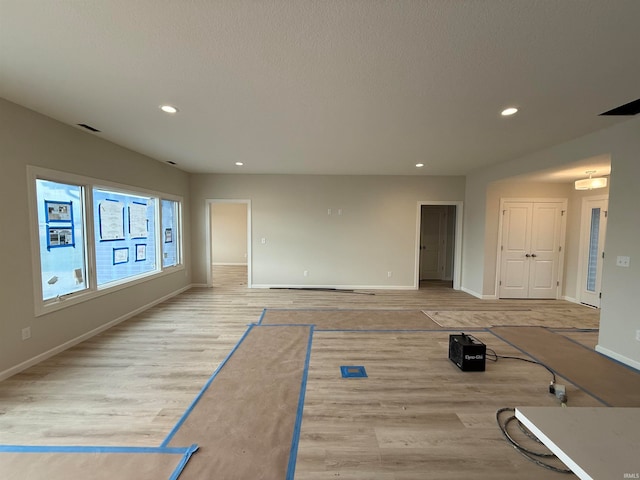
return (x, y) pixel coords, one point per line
(324, 86)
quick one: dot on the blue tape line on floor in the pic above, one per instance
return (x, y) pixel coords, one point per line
(91, 449)
(204, 389)
(400, 330)
(572, 329)
(264, 310)
(291, 468)
(183, 463)
(287, 325)
(343, 310)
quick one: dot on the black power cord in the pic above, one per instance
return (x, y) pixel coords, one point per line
(530, 455)
(493, 356)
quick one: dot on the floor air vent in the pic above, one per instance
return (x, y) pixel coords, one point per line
(352, 371)
(88, 127)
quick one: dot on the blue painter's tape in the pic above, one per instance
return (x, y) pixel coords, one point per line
(183, 463)
(89, 449)
(405, 310)
(291, 467)
(429, 330)
(204, 389)
(571, 329)
(556, 372)
(287, 325)
(264, 311)
(353, 371)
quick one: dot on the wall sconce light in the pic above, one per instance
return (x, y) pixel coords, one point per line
(591, 183)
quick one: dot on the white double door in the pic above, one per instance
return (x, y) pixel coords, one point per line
(531, 248)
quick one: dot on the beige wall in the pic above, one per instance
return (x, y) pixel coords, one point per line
(618, 323)
(451, 231)
(28, 138)
(375, 233)
(228, 233)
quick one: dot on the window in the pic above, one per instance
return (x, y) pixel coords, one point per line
(90, 236)
(594, 236)
(61, 238)
(170, 216)
(125, 235)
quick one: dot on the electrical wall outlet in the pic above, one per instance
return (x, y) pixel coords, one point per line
(26, 333)
(389, 274)
(638, 335)
(622, 261)
(305, 273)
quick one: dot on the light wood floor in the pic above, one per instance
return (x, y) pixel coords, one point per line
(416, 416)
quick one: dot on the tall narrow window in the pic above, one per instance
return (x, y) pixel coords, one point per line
(61, 235)
(594, 236)
(125, 235)
(170, 234)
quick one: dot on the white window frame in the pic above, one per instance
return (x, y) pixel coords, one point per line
(43, 307)
(178, 221)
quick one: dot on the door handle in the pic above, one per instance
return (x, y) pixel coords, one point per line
(527, 255)
(534, 255)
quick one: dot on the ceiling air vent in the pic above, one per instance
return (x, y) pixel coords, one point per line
(88, 127)
(631, 108)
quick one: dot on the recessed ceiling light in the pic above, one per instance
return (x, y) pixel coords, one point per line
(239, 164)
(168, 109)
(419, 165)
(508, 111)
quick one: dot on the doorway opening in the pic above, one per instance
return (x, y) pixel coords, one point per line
(228, 231)
(439, 241)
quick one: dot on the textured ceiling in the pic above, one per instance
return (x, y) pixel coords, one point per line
(324, 87)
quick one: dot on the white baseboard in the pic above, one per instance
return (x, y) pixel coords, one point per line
(471, 292)
(199, 285)
(340, 287)
(85, 336)
(616, 356)
(570, 299)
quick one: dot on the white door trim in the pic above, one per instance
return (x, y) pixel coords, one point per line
(457, 253)
(207, 220)
(583, 243)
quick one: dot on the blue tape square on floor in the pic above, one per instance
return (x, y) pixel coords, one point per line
(353, 371)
